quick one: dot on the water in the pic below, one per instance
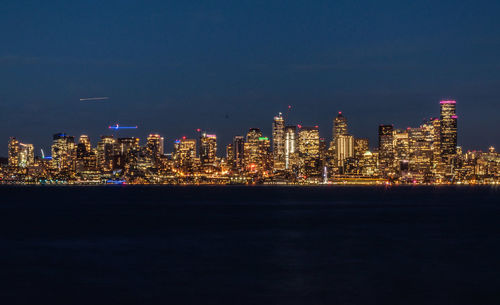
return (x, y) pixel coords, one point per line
(249, 245)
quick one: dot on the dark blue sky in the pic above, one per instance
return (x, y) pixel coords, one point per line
(225, 66)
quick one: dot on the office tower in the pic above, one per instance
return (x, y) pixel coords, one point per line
(105, 153)
(437, 163)
(448, 120)
(279, 142)
(85, 140)
(208, 149)
(251, 149)
(63, 152)
(386, 149)
(401, 147)
(86, 158)
(13, 152)
(184, 155)
(342, 143)
(238, 151)
(126, 153)
(420, 151)
(361, 145)
(290, 147)
(230, 153)
(265, 156)
(153, 149)
(309, 152)
(344, 148)
(26, 155)
(339, 126)
(368, 164)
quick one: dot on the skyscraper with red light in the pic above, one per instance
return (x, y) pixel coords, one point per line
(448, 131)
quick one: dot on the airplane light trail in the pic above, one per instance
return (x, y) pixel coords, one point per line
(117, 127)
(94, 99)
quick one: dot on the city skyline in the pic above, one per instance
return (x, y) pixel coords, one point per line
(121, 130)
(294, 154)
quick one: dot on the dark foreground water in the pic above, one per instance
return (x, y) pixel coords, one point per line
(249, 245)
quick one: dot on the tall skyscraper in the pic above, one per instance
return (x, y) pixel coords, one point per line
(361, 145)
(105, 153)
(26, 155)
(448, 130)
(251, 150)
(63, 152)
(13, 152)
(208, 149)
(85, 140)
(339, 126)
(238, 151)
(386, 149)
(290, 147)
(279, 142)
(309, 152)
(184, 154)
(154, 148)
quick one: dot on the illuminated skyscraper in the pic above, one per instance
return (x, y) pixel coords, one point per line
(361, 145)
(448, 130)
(26, 155)
(105, 153)
(86, 158)
(265, 155)
(85, 140)
(13, 152)
(208, 149)
(184, 155)
(127, 152)
(238, 151)
(154, 148)
(63, 152)
(344, 148)
(290, 147)
(251, 150)
(309, 152)
(279, 142)
(386, 149)
(339, 126)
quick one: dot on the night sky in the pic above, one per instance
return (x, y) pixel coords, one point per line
(224, 66)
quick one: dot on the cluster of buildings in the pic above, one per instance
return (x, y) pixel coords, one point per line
(294, 154)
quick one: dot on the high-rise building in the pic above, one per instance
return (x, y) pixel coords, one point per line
(26, 155)
(86, 158)
(13, 152)
(105, 153)
(448, 130)
(279, 142)
(238, 151)
(85, 140)
(184, 155)
(208, 149)
(386, 149)
(63, 152)
(290, 147)
(154, 148)
(344, 148)
(339, 126)
(309, 152)
(361, 145)
(251, 149)
(126, 153)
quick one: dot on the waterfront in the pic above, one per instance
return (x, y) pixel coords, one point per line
(250, 245)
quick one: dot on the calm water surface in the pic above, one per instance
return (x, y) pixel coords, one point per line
(249, 245)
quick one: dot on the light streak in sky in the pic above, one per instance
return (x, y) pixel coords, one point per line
(94, 99)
